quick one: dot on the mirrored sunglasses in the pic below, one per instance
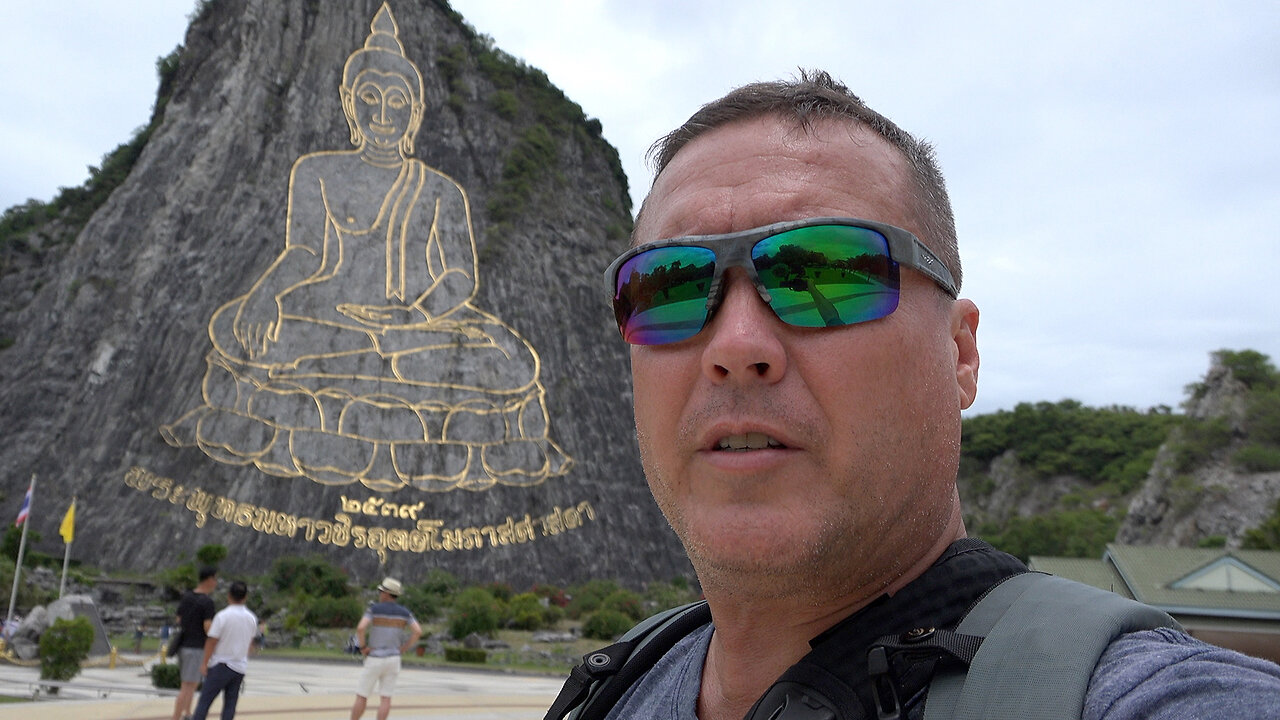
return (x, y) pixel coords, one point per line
(819, 272)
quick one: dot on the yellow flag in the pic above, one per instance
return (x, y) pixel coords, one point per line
(68, 529)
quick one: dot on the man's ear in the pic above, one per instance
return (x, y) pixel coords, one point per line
(964, 334)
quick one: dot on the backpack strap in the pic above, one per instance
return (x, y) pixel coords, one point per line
(604, 675)
(1043, 637)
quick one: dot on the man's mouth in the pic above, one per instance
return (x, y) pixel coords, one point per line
(747, 441)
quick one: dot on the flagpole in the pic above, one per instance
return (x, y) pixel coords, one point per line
(66, 558)
(22, 548)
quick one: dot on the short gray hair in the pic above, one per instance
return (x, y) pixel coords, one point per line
(816, 95)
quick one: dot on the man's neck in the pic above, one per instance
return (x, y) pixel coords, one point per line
(758, 637)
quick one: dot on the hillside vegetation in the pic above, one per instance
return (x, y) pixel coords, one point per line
(1056, 478)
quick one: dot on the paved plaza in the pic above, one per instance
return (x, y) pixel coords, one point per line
(285, 690)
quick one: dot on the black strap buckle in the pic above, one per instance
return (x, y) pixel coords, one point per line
(595, 665)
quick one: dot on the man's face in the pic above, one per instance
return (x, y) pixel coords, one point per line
(859, 484)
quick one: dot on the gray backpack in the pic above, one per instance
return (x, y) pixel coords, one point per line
(1025, 650)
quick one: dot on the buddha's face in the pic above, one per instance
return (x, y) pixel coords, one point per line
(382, 107)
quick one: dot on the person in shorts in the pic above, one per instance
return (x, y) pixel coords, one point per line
(195, 615)
(385, 632)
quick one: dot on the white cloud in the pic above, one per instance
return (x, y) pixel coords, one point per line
(1115, 168)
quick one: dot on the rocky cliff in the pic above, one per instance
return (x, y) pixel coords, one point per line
(1181, 506)
(1193, 491)
(274, 338)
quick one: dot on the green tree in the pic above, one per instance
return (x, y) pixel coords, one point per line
(1069, 533)
(63, 646)
(526, 612)
(333, 612)
(1250, 367)
(13, 539)
(1112, 444)
(475, 611)
(313, 574)
(625, 602)
(178, 579)
(586, 598)
(606, 625)
(211, 554)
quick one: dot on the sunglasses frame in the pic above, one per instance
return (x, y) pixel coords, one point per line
(734, 250)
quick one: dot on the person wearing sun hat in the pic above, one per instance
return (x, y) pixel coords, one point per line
(385, 632)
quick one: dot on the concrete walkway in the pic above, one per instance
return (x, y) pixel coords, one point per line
(285, 690)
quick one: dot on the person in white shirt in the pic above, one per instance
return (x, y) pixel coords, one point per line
(226, 653)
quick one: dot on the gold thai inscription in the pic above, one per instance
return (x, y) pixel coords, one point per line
(426, 535)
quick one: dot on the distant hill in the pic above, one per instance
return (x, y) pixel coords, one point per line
(1064, 479)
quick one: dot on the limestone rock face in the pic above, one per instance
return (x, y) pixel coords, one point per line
(276, 338)
(1212, 499)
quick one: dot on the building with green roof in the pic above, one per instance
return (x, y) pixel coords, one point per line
(1227, 597)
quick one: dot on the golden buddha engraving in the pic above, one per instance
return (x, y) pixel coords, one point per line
(358, 355)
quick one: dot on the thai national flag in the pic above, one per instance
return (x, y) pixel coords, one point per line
(26, 507)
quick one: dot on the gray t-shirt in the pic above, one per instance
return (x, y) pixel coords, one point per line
(1167, 675)
(1149, 675)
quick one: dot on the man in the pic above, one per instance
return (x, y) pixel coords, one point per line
(385, 632)
(195, 613)
(226, 653)
(801, 430)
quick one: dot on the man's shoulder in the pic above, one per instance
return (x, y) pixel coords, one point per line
(389, 609)
(1164, 672)
(240, 612)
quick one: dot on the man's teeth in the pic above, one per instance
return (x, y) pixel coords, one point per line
(749, 441)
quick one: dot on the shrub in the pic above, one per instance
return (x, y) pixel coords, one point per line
(1199, 440)
(439, 582)
(1267, 535)
(663, 595)
(333, 612)
(166, 676)
(63, 646)
(525, 612)
(475, 611)
(424, 605)
(586, 598)
(625, 602)
(1262, 416)
(606, 625)
(1250, 367)
(315, 575)
(211, 554)
(1258, 458)
(465, 654)
(501, 591)
(553, 594)
(179, 579)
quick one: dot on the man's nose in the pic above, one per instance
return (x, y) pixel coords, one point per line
(744, 338)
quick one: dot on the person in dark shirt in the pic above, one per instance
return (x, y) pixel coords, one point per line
(195, 615)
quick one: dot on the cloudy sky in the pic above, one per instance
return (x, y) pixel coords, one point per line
(1115, 167)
